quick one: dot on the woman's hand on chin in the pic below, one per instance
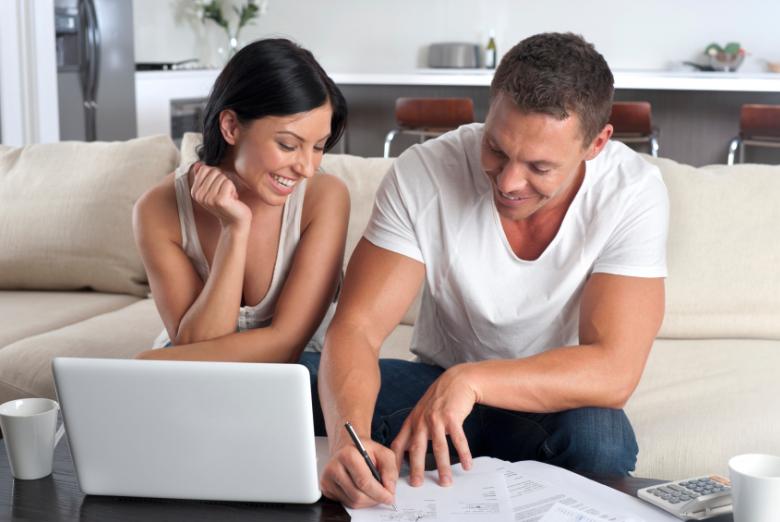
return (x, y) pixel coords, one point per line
(214, 190)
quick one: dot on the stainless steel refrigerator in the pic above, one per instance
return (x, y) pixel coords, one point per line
(95, 69)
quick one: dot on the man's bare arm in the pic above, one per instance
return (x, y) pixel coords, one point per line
(379, 287)
(619, 319)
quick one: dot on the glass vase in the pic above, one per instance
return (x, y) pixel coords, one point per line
(233, 44)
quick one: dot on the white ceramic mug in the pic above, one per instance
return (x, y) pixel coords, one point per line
(30, 432)
(755, 487)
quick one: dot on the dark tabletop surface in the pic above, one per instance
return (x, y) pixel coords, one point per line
(58, 498)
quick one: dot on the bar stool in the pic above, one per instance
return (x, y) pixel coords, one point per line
(633, 124)
(429, 117)
(759, 125)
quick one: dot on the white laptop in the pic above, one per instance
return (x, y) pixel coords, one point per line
(190, 430)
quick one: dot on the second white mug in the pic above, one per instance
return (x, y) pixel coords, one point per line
(30, 432)
(755, 487)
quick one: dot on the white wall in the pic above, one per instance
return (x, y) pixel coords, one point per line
(28, 69)
(391, 35)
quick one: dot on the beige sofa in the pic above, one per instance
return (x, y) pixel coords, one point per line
(73, 285)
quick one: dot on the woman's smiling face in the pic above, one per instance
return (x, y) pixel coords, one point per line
(271, 155)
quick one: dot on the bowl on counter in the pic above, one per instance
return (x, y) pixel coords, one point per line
(727, 62)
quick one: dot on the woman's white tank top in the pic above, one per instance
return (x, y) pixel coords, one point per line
(260, 314)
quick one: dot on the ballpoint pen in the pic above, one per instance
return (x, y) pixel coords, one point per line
(362, 450)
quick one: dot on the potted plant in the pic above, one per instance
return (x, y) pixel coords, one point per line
(727, 58)
(248, 11)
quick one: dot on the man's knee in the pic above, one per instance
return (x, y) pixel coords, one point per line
(593, 440)
(311, 361)
(403, 383)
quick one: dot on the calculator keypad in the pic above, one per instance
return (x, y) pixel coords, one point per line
(675, 493)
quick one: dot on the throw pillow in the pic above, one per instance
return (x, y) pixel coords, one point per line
(66, 213)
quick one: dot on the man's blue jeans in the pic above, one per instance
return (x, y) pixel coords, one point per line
(592, 440)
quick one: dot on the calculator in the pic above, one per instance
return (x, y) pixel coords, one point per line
(691, 499)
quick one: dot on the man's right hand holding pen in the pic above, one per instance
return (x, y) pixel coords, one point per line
(347, 477)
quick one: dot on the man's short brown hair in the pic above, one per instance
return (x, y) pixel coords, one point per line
(558, 74)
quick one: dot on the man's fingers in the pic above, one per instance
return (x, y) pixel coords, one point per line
(442, 454)
(388, 470)
(417, 449)
(461, 444)
(341, 488)
(399, 443)
(364, 480)
(343, 497)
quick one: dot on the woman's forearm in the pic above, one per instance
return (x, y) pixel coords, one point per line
(215, 312)
(266, 344)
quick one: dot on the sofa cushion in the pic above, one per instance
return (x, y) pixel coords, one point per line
(66, 213)
(362, 176)
(190, 142)
(723, 251)
(396, 346)
(26, 313)
(25, 366)
(701, 402)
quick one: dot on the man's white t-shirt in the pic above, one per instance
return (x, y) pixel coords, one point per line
(480, 300)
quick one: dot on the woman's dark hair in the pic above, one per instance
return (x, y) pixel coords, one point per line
(273, 77)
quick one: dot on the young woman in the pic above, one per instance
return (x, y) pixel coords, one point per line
(243, 249)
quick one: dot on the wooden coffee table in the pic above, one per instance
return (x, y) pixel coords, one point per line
(58, 498)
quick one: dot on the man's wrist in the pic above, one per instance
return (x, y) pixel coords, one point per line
(340, 438)
(471, 375)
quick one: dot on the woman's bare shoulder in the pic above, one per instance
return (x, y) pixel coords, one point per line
(326, 186)
(157, 208)
(325, 194)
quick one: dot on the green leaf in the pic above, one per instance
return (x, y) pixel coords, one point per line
(248, 13)
(213, 11)
(732, 48)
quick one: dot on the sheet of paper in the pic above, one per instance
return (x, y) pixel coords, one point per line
(473, 497)
(562, 513)
(536, 489)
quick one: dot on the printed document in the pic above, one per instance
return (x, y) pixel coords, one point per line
(526, 491)
(472, 497)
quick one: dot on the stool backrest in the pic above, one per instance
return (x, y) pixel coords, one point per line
(757, 120)
(433, 113)
(631, 118)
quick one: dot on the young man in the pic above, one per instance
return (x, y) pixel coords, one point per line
(542, 248)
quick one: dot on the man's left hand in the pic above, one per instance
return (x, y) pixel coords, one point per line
(440, 412)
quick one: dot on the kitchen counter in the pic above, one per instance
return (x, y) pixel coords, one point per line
(624, 79)
(155, 89)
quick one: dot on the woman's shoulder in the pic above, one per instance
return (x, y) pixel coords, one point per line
(325, 187)
(325, 194)
(157, 207)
